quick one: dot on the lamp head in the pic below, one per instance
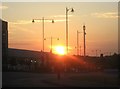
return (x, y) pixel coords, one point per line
(33, 21)
(52, 21)
(72, 10)
(44, 38)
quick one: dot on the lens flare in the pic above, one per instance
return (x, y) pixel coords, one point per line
(60, 50)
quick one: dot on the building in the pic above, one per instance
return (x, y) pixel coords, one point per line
(4, 43)
(28, 60)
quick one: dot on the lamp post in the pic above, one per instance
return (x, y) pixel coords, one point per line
(43, 20)
(72, 10)
(78, 43)
(84, 33)
(96, 52)
(51, 38)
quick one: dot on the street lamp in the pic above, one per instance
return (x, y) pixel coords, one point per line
(78, 43)
(84, 34)
(43, 19)
(96, 52)
(51, 41)
(72, 10)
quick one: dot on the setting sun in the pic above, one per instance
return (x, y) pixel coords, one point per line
(60, 50)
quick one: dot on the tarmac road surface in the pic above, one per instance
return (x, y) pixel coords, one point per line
(24, 79)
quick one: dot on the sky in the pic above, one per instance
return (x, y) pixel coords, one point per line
(100, 19)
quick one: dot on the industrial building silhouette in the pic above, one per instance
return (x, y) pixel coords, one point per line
(4, 43)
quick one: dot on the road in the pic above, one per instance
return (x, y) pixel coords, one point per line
(24, 79)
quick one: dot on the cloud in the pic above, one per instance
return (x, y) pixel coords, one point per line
(3, 7)
(19, 43)
(110, 15)
(62, 16)
(60, 20)
(22, 22)
(13, 26)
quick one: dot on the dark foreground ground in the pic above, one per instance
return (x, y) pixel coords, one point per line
(22, 79)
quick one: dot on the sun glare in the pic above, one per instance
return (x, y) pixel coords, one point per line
(60, 50)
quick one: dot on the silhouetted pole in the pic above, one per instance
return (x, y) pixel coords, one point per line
(84, 33)
(80, 50)
(72, 10)
(67, 30)
(43, 20)
(51, 44)
(51, 38)
(43, 32)
(96, 52)
(78, 42)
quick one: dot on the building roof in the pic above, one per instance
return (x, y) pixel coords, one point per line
(24, 53)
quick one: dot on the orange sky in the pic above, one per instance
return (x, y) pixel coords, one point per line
(100, 20)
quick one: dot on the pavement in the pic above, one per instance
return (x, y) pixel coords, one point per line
(24, 79)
